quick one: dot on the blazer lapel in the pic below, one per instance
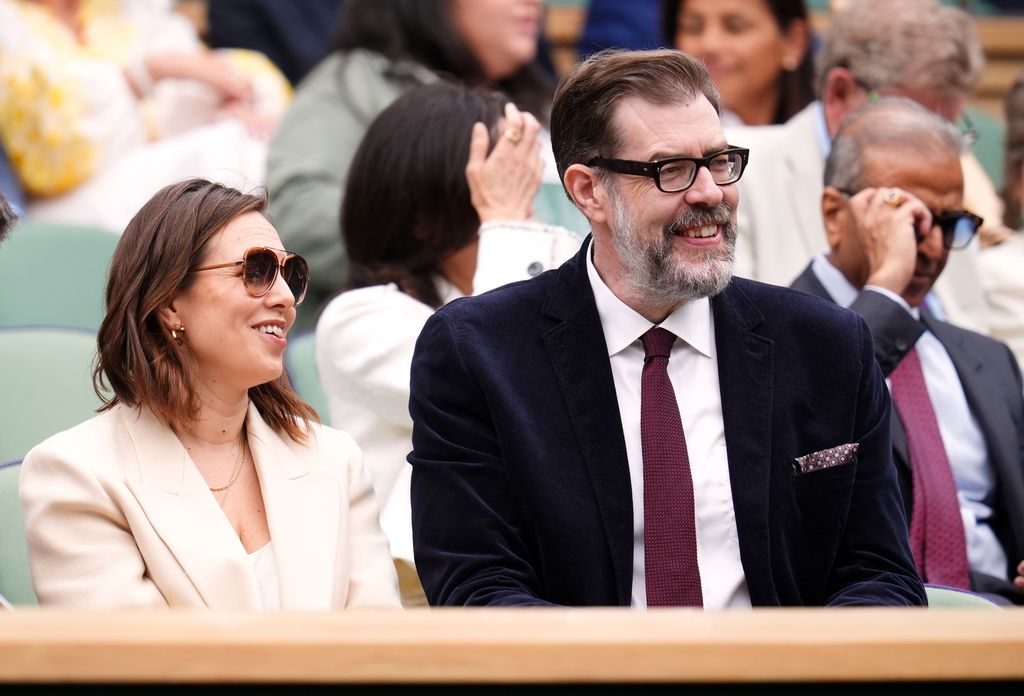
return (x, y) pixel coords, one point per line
(303, 504)
(577, 349)
(185, 514)
(745, 372)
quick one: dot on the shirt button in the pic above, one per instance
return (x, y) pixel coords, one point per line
(534, 268)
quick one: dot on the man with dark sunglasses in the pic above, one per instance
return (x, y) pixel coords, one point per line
(892, 208)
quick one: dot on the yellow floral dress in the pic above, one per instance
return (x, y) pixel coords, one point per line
(68, 116)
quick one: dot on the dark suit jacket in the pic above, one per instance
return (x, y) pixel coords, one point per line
(520, 482)
(991, 380)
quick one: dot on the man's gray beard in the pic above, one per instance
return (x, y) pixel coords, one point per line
(651, 267)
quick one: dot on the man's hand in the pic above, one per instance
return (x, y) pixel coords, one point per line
(889, 222)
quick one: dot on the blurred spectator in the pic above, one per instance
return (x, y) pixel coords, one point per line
(104, 102)
(8, 218)
(1001, 263)
(384, 48)
(452, 161)
(758, 52)
(294, 34)
(10, 187)
(616, 24)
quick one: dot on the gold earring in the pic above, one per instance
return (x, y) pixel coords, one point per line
(178, 334)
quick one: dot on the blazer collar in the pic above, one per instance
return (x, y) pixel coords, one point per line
(302, 512)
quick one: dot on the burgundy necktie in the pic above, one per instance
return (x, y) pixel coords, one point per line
(936, 529)
(670, 533)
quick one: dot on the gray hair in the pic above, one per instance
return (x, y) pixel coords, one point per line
(889, 123)
(897, 45)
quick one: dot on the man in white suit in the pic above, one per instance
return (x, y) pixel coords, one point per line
(914, 48)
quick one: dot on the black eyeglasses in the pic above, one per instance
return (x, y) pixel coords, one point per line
(675, 174)
(259, 271)
(958, 226)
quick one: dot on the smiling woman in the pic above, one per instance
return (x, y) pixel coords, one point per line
(205, 481)
(758, 53)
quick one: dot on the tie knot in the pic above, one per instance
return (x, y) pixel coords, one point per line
(657, 342)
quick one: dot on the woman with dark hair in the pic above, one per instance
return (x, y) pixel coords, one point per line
(437, 207)
(205, 481)
(384, 48)
(758, 52)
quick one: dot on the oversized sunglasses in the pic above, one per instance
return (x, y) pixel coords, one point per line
(260, 266)
(958, 226)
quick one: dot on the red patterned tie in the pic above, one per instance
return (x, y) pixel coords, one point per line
(670, 533)
(936, 529)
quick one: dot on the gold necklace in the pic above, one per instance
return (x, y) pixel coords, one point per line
(238, 466)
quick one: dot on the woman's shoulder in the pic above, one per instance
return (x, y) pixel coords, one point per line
(364, 309)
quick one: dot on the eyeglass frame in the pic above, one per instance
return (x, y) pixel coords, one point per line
(653, 169)
(278, 270)
(936, 217)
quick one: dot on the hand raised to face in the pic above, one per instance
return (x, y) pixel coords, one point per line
(503, 184)
(889, 224)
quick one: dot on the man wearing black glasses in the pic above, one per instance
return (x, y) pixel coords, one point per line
(639, 427)
(893, 213)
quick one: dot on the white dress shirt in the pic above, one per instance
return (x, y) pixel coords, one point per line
(961, 435)
(693, 369)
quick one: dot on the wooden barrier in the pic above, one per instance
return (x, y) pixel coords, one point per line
(514, 646)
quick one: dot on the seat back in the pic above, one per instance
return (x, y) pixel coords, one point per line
(15, 580)
(300, 365)
(54, 275)
(942, 597)
(46, 382)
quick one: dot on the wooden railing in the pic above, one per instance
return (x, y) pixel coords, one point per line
(514, 646)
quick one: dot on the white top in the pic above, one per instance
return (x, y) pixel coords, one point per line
(364, 345)
(264, 567)
(693, 369)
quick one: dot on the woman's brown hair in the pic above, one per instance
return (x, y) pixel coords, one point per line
(1013, 159)
(137, 358)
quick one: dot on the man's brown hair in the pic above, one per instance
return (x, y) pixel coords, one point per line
(582, 115)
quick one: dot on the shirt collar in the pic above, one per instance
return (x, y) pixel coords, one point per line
(622, 326)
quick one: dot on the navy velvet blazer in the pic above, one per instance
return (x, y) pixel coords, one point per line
(991, 380)
(520, 483)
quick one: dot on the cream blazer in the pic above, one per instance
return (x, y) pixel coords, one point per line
(117, 515)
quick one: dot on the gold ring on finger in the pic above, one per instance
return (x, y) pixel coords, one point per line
(893, 198)
(513, 134)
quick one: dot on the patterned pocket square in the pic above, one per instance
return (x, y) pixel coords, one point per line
(823, 459)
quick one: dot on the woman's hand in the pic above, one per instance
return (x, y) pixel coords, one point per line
(502, 185)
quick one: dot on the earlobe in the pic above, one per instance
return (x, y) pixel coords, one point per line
(586, 192)
(169, 319)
